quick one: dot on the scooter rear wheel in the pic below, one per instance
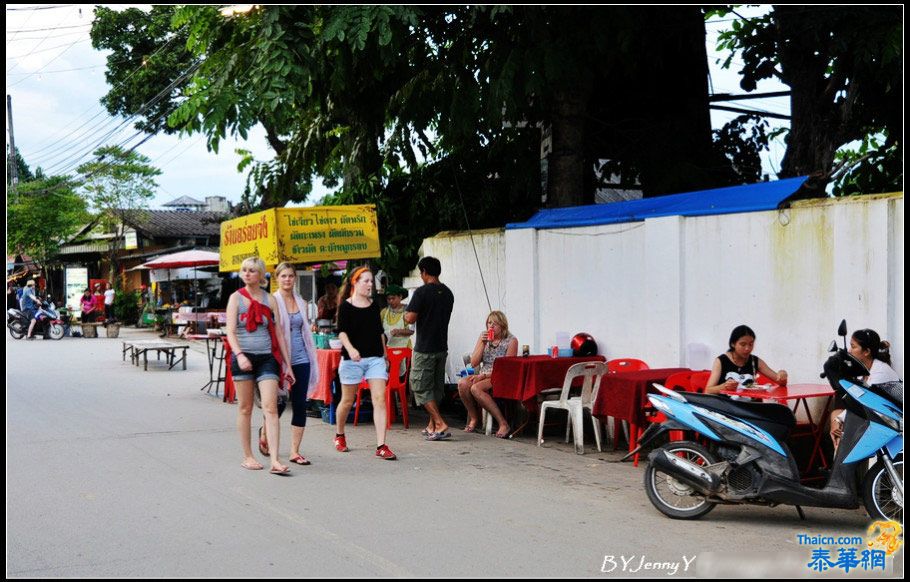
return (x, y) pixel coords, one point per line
(674, 498)
(16, 330)
(879, 494)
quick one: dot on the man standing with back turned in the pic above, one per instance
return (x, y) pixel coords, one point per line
(431, 309)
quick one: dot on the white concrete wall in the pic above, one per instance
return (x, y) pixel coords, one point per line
(650, 289)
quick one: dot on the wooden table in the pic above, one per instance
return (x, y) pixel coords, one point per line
(142, 348)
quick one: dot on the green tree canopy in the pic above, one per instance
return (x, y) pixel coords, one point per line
(118, 185)
(47, 213)
(844, 67)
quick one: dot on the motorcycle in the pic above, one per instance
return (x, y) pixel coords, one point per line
(49, 323)
(17, 323)
(748, 462)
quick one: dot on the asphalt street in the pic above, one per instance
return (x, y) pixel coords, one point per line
(113, 471)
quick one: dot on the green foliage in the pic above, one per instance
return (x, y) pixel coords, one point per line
(872, 168)
(24, 172)
(118, 181)
(741, 140)
(46, 214)
(126, 307)
(844, 66)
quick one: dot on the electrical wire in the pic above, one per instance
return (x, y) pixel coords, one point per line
(471, 234)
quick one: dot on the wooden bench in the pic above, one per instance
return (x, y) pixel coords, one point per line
(142, 348)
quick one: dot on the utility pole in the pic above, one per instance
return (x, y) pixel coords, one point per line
(13, 166)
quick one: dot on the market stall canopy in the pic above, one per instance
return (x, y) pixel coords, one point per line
(191, 258)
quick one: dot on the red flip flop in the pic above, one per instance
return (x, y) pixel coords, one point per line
(285, 471)
(300, 460)
(263, 443)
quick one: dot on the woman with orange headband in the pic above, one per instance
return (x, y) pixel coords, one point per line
(362, 356)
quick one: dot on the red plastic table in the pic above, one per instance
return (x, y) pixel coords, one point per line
(328, 362)
(624, 395)
(523, 378)
(800, 393)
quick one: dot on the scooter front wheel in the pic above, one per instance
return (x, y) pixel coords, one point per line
(55, 331)
(672, 497)
(879, 493)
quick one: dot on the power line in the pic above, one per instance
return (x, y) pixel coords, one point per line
(51, 28)
(57, 141)
(35, 52)
(40, 7)
(59, 71)
(46, 64)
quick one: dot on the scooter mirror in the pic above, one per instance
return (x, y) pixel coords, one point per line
(842, 328)
(833, 347)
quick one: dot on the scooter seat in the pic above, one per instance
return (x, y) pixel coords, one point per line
(776, 419)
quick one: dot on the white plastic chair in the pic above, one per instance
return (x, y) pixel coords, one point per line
(576, 405)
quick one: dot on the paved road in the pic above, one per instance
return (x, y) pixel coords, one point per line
(112, 471)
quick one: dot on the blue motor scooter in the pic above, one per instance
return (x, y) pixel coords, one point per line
(747, 460)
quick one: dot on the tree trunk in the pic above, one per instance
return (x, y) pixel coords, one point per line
(567, 165)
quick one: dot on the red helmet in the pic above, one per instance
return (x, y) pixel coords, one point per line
(583, 344)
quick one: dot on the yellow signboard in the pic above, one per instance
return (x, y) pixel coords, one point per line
(301, 235)
(253, 235)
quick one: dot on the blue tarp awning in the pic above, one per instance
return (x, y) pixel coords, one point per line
(750, 198)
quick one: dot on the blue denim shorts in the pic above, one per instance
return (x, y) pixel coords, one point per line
(351, 372)
(264, 368)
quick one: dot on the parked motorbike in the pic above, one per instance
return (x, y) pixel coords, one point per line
(17, 323)
(49, 323)
(748, 462)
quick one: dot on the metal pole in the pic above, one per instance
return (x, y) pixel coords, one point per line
(13, 165)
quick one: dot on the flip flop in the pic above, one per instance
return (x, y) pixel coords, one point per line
(472, 429)
(285, 471)
(263, 443)
(502, 436)
(439, 436)
(251, 466)
(300, 460)
(425, 432)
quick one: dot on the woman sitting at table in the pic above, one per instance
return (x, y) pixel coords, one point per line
(477, 388)
(869, 348)
(738, 367)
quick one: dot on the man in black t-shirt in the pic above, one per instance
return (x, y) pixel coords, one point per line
(431, 308)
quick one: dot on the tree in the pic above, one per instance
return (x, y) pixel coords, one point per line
(118, 184)
(844, 67)
(47, 213)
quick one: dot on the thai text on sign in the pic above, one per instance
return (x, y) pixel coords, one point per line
(301, 235)
(328, 233)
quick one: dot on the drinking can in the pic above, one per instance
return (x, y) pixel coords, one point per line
(525, 351)
(490, 334)
(554, 352)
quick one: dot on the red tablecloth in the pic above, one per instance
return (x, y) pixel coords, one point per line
(782, 394)
(522, 378)
(623, 395)
(328, 362)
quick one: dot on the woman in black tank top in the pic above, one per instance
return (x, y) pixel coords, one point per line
(738, 366)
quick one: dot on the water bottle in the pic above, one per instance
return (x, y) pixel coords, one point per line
(469, 371)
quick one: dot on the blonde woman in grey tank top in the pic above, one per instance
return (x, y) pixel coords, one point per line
(258, 366)
(476, 390)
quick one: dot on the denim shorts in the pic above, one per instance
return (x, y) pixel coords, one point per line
(351, 372)
(264, 368)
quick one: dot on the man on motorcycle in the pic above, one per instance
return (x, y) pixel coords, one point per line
(29, 305)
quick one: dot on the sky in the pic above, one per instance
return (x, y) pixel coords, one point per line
(56, 81)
